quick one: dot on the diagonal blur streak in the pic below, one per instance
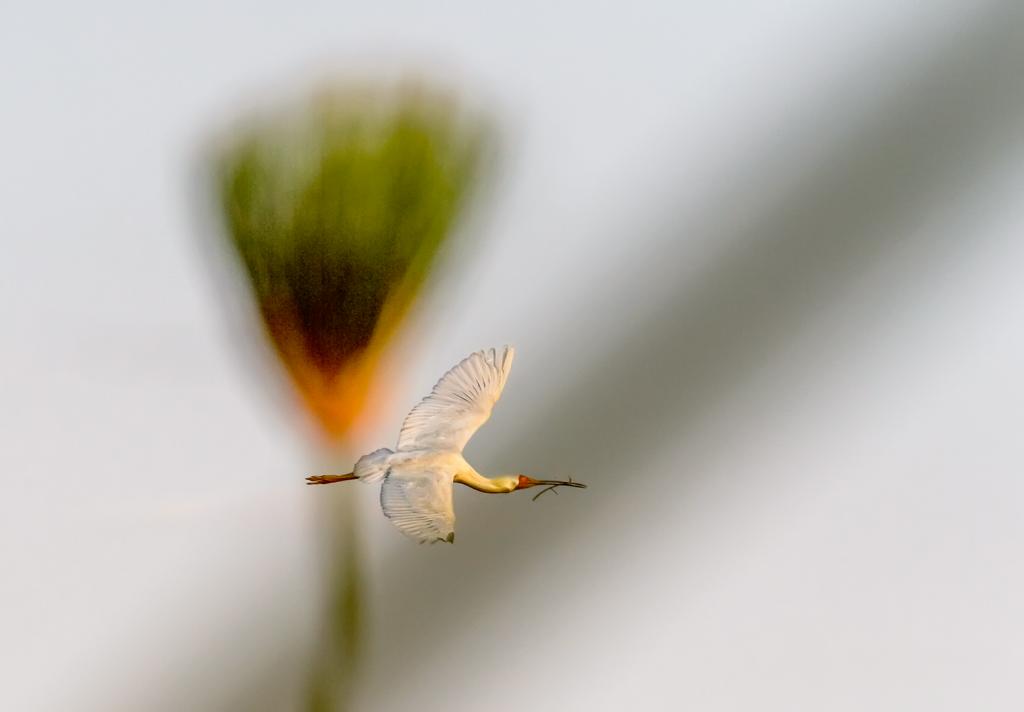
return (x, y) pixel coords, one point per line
(918, 149)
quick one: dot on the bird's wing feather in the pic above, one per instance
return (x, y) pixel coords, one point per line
(459, 404)
(419, 503)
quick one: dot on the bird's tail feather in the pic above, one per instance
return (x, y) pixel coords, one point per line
(373, 467)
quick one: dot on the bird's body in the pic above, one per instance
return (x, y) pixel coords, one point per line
(416, 478)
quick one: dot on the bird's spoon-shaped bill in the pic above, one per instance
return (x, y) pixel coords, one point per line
(548, 485)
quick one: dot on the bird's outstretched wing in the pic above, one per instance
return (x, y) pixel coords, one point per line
(460, 403)
(419, 503)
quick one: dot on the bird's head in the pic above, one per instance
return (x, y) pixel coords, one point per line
(524, 482)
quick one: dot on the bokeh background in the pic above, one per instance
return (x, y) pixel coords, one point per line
(762, 266)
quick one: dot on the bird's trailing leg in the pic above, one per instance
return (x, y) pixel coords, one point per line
(329, 479)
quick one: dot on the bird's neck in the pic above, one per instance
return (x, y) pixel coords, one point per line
(491, 485)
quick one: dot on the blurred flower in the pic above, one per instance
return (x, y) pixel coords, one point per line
(337, 214)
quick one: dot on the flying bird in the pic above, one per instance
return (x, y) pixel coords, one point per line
(416, 479)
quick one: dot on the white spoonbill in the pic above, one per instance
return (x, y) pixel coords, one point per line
(417, 477)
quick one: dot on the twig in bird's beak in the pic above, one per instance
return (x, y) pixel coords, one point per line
(552, 486)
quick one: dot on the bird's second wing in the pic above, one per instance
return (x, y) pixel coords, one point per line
(419, 503)
(459, 404)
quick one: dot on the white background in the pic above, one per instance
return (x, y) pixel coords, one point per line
(762, 266)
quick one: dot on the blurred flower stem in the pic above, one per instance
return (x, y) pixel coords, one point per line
(337, 212)
(336, 663)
